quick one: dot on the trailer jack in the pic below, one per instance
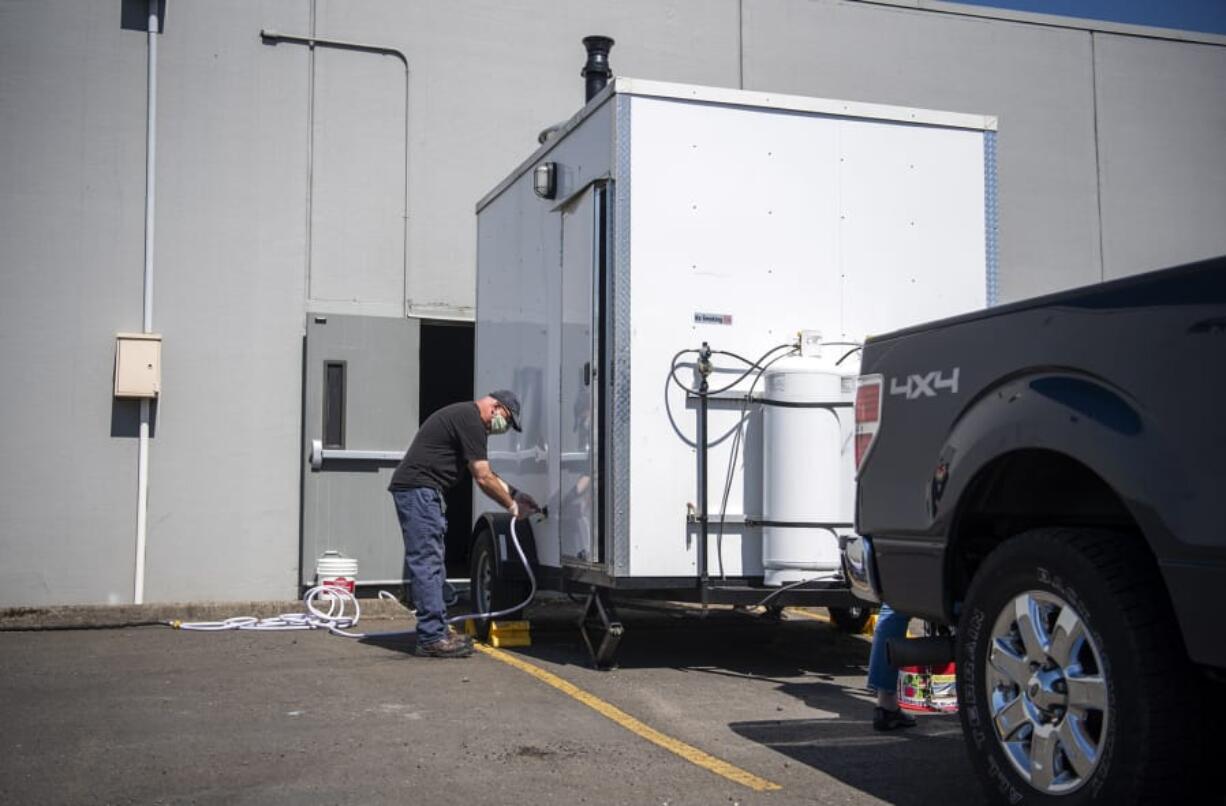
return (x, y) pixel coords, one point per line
(599, 622)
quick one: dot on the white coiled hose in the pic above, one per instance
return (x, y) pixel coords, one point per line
(343, 610)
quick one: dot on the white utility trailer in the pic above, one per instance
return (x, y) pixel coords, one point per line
(665, 216)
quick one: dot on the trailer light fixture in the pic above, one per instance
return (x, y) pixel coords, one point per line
(545, 180)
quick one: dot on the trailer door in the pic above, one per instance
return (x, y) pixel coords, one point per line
(584, 253)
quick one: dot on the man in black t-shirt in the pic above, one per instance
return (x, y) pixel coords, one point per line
(450, 440)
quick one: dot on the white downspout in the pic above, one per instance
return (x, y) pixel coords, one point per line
(142, 467)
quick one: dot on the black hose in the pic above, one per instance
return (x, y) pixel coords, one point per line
(848, 354)
(123, 625)
(755, 365)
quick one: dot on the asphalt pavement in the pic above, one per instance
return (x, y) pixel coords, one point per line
(151, 715)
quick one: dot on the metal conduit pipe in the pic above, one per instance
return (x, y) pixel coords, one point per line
(274, 37)
(142, 462)
(704, 370)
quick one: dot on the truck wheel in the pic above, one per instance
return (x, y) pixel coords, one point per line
(1073, 686)
(490, 591)
(851, 619)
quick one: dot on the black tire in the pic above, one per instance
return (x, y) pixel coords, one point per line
(491, 591)
(1122, 691)
(851, 619)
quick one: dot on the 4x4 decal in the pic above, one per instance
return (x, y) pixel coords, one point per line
(926, 385)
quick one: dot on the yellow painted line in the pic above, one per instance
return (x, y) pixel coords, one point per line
(688, 752)
(808, 615)
(866, 632)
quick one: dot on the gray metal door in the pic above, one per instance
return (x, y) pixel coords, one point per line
(360, 413)
(582, 236)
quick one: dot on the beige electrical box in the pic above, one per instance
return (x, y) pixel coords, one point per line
(138, 364)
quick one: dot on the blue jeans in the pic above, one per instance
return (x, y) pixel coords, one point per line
(420, 510)
(881, 675)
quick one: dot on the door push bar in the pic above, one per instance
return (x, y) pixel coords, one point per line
(320, 454)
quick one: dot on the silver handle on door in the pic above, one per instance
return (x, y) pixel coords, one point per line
(319, 453)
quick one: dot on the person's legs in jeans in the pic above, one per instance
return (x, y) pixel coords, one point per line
(421, 522)
(881, 675)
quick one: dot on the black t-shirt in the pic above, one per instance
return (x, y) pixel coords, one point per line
(447, 441)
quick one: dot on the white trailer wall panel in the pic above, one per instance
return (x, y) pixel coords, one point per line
(519, 294)
(782, 221)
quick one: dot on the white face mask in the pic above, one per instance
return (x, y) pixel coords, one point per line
(499, 424)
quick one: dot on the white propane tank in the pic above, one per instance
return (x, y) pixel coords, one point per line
(807, 466)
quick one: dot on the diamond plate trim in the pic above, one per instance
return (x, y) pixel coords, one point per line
(990, 215)
(619, 411)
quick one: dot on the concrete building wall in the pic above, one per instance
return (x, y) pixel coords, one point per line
(1037, 80)
(281, 190)
(72, 184)
(227, 290)
(228, 299)
(1162, 151)
(486, 76)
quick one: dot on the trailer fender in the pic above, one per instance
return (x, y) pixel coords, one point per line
(498, 524)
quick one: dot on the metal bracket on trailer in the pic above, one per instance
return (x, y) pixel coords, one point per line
(600, 618)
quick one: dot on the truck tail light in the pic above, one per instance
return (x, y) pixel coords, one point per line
(868, 415)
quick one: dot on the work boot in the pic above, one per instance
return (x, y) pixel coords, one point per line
(451, 646)
(884, 719)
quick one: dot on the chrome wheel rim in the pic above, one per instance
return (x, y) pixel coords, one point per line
(1047, 692)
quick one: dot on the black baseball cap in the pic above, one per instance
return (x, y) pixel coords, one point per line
(511, 403)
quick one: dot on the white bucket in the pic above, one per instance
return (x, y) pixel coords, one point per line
(335, 570)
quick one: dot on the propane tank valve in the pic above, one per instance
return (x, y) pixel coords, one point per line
(704, 362)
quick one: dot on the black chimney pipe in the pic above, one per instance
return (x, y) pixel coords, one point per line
(597, 71)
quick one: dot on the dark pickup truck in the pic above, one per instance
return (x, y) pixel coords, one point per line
(1048, 478)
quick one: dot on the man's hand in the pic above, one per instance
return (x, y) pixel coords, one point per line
(526, 504)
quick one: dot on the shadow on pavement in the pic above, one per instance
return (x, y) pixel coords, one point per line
(810, 661)
(733, 641)
(923, 765)
(393, 642)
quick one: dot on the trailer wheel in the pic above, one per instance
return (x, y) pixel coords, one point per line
(851, 619)
(1073, 685)
(491, 591)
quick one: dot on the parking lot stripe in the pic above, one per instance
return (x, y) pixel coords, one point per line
(808, 615)
(686, 751)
